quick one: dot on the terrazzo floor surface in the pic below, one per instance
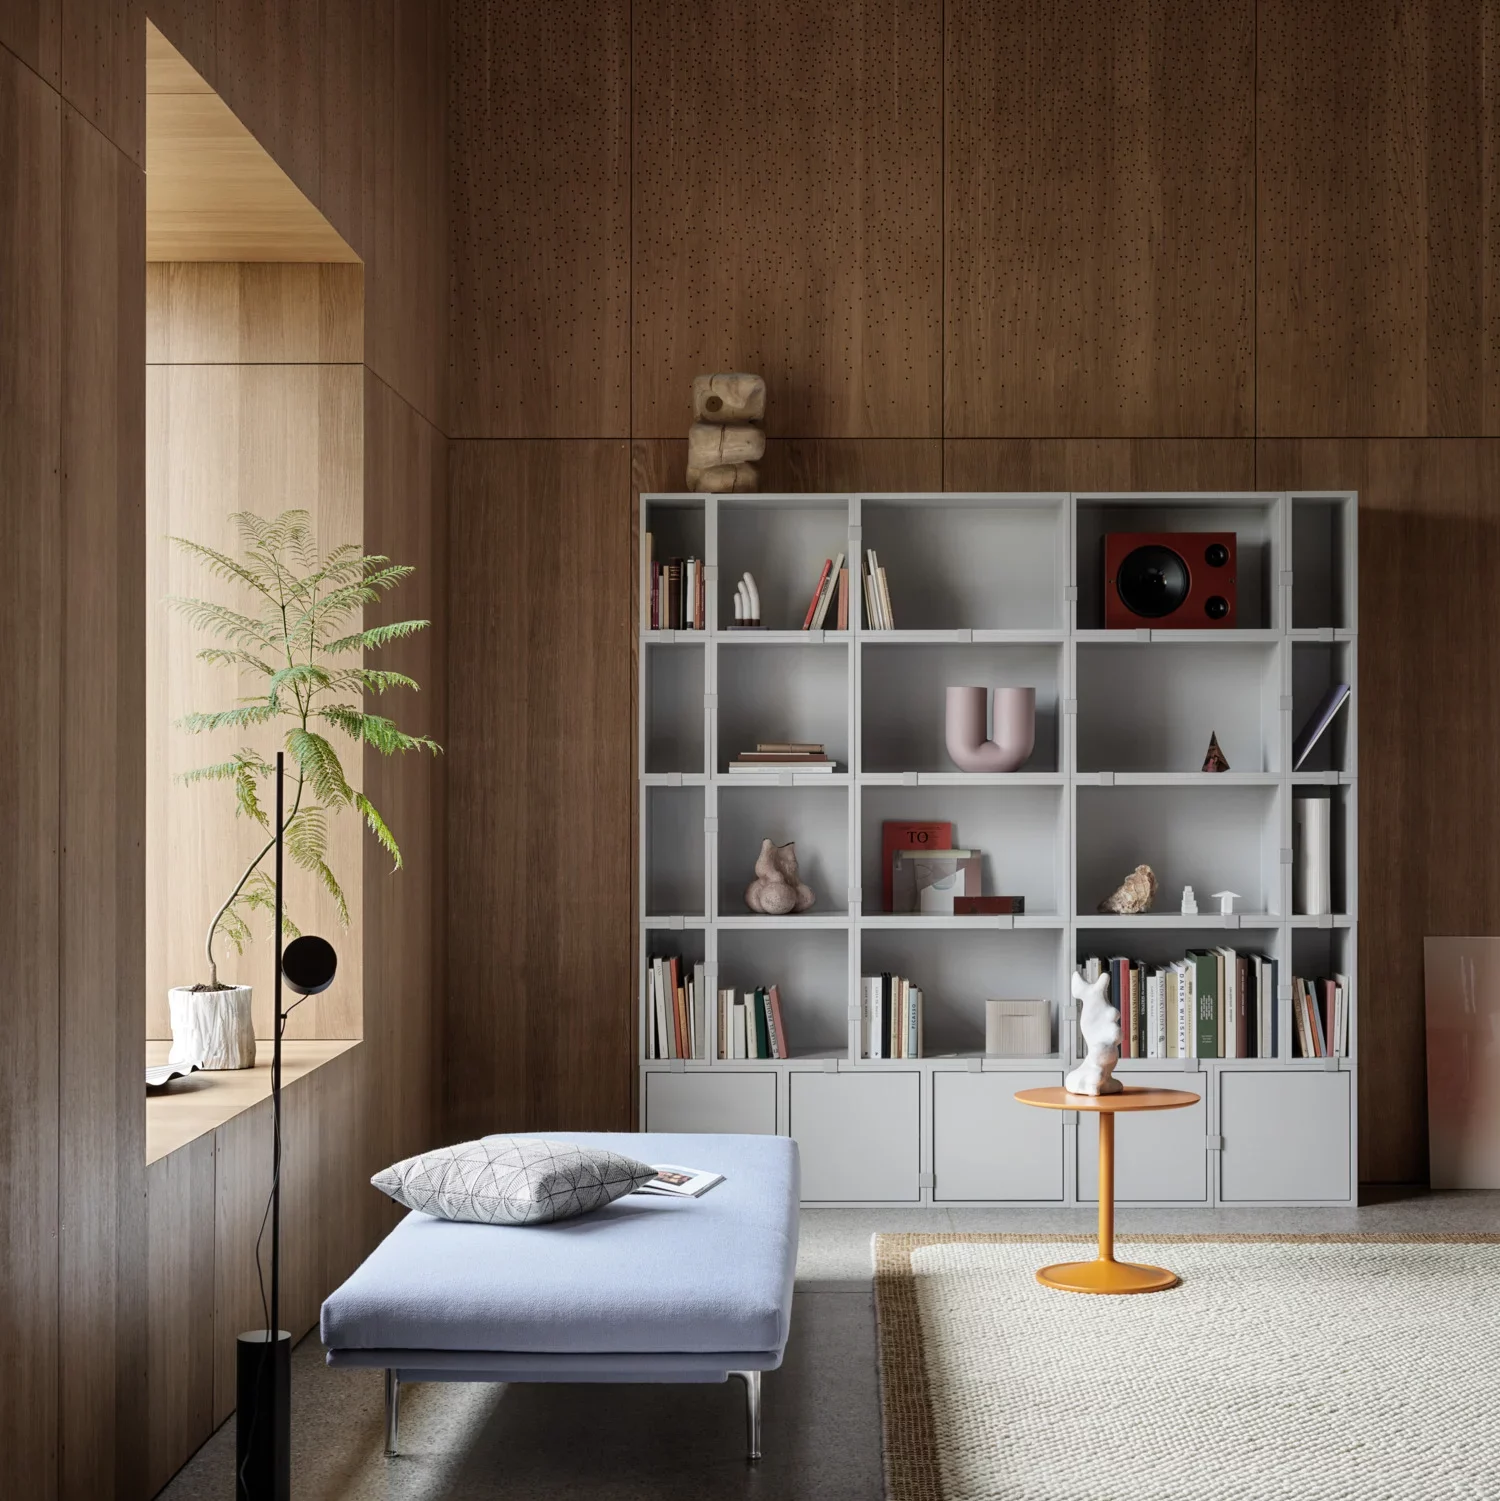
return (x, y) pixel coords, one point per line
(627, 1443)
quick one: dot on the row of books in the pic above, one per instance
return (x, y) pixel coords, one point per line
(678, 995)
(678, 599)
(890, 1017)
(878, 613)
(832, 581)
(1320, 1017)
(785, 755)
(1212, 1003)
(751, 1024)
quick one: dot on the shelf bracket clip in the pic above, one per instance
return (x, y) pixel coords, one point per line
(975, 1065)
(711, 824)
(1214, 1143)
(830, 1065)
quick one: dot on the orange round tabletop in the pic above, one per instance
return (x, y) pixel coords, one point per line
(1104, 1274)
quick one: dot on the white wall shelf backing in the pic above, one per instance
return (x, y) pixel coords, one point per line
(1000, 590)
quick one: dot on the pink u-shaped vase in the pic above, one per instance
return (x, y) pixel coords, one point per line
(1015, 729)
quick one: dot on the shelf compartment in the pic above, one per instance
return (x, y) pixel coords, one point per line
(1316, 667)
(987, 1145)
(710, 1101)
(783, 545)
(1019, 831)
(815, 818)
(1341, 811)
(1166, 1159)
(674, 709)
(1152, 707)
(675, 852)
(903, 698)
(1253, 519)
(958, 971)
(996, 565)
(1210, 837)
(1322, 594)
(690, 945)
(678, 529)
(783, 692)
(811, 968)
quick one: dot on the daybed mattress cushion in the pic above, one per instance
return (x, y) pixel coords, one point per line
(643, 1274)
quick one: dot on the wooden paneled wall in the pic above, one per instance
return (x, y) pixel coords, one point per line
(103, 1397)
(974, 245)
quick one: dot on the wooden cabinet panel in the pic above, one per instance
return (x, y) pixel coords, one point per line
(857, 1134)
(538, 139)
(740, 1103)
(1158, 1154)
(1286, 1135)
(787, 202)
(1099, 206)
(1099, 464)
(1376, 312)
(987, 1145)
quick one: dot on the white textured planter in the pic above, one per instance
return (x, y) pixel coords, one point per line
(212, 1028)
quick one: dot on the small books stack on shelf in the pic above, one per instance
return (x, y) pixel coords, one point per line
(1213, 1003)
(784, 755)
(890, 1017)
(678, 600)
(878, 616)
(751, 1026)
(1320, 1017)
(834, 577)
(679, 999)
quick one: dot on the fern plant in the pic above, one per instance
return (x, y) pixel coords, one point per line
(296, 636)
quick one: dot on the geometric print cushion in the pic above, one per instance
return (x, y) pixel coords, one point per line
(511, 1180)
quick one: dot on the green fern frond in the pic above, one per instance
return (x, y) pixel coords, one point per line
(243, 717)
(259, 895)
(221, 771)
(371, 679)
(221, 565)
(307, 836)
(376, 636)
(300, 674)
(378, 828)
(374, 729)
(218, 656)
(221, 621)
(320, 765)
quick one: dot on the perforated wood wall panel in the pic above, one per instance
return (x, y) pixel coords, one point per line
(1378, 232)
(787, 192)
(539, 106)
(1099, 218)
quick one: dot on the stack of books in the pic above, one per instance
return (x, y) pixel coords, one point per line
(878, 616)
(890, 1017)
(677, 599)
(833, 579)
(751, 1024)
(1320, 1017)
(678, 1006)
(784, 755)
(1212, 1003)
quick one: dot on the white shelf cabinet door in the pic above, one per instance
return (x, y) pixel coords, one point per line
(858, 1134)
(1159, 1154)
(1286, 1135)
(737, 1104)
(987, 1145)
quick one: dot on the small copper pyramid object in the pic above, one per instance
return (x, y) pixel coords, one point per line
(1215, 759)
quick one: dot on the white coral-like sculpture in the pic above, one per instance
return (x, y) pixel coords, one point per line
(1100, 1025)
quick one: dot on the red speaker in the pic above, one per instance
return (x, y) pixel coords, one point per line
(1175, 581)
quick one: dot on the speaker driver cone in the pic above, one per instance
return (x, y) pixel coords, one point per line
(1152, 581)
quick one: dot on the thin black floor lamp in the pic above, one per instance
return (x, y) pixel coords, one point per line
(263, 1369)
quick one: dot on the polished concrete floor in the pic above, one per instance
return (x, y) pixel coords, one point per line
(630, 1443)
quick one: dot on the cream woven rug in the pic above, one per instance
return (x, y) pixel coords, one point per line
(1336, 1368)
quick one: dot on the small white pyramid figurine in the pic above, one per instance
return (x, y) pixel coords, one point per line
(1226, 900)
(1189, 902)
(1100, 1025)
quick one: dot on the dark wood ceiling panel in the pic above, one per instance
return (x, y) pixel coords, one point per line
(787, 212)
(1099, 252)
(539, 230)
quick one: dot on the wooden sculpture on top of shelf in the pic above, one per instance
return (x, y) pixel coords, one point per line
(777, 888)
(1134, 894)
(724, 442)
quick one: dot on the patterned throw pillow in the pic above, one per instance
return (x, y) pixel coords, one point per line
(511, 1180)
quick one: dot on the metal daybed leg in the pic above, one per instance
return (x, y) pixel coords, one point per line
(392, 1410)
(752, 1411)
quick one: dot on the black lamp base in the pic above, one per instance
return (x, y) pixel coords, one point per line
(263, 1418)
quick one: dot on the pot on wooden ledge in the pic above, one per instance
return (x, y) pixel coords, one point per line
(212, 1028)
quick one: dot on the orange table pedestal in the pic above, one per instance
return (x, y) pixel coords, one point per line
(1104, 1274)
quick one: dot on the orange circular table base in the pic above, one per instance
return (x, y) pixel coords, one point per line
(1100, 1276)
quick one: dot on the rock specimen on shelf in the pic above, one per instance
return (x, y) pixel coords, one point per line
(1100, 1025)
(1215, 760)
(724, 444)
(1134, 894)
(777, 889)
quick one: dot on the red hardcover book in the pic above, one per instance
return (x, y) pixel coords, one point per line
(1119, 985)
(679, 1032)
(989, 906)
(897, 835)
(812, 609)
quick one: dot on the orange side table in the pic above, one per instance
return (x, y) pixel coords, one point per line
(1104, 1274)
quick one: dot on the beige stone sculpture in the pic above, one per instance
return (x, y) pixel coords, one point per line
(777, 888)
(724, 444)
(1134, 894)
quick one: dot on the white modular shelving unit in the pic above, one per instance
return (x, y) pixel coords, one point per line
(999, 589)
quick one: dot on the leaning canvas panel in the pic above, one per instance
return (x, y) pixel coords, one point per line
(1463, 1062)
